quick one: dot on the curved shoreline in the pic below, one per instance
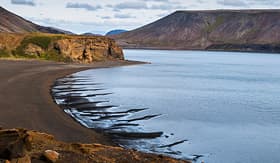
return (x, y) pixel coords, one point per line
(26, 101)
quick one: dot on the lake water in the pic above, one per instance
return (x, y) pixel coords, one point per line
(226, 106)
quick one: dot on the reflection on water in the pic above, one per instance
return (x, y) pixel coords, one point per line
(219, 105)
(88, 103)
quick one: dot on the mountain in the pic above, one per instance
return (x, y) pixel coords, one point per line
(114, 32)
(90, 34)
(234, 30)
(9, 22)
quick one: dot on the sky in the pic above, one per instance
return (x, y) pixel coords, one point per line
(101, 16)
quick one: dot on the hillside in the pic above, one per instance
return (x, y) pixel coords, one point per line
(235, 30)
(9, 22)
(58, 47)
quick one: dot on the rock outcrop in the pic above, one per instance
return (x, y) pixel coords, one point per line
(236, 30)
(71, 48)
(14, 146)
(23, 146)
(33, 50)
(88, 49)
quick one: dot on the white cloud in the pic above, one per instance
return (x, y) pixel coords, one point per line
(23, 2)
(131, 5)
(83, 6)
(123, 16)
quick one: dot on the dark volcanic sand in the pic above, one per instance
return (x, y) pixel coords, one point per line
(26, 102)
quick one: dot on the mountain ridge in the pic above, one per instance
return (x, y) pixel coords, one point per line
(233, 30)
(12, 23)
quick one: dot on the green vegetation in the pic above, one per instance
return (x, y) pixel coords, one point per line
(4, 53)
(251, 33)
(44, 42)
(211, 27)
(53, 55)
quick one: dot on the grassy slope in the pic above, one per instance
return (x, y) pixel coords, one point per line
(16, 50)
(43, 41)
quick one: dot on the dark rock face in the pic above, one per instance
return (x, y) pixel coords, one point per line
(256, 29)
(14, 144)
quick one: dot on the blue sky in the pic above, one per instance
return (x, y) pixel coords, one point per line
(100, 16)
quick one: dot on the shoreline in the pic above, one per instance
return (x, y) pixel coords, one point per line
(26, 101)
(203, 50)
(29, 110)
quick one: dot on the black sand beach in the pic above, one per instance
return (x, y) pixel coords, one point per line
(26, 101)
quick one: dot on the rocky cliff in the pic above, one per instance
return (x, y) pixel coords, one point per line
(23, 146)
(71, 48)
(237, 30)
(12, 23)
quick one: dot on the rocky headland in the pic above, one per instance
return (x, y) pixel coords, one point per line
(59, 47)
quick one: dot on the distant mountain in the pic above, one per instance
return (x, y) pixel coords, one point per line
(12, 23)
(235, 30)
(90, 34)
(114, 32)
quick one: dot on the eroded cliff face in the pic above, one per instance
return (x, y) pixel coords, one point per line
(81, 49)
(88, 49)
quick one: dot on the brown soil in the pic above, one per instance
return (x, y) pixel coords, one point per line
(23, 146)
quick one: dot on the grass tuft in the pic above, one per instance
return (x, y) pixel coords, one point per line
(4, 53)
(211, 27)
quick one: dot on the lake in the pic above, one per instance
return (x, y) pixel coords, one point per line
(223, 106)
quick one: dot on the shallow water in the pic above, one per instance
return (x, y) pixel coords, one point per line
(225, 105)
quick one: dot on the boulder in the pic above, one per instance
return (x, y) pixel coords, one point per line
(51, 156)
(33, 50)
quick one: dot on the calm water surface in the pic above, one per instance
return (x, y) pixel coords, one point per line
(225, 105)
